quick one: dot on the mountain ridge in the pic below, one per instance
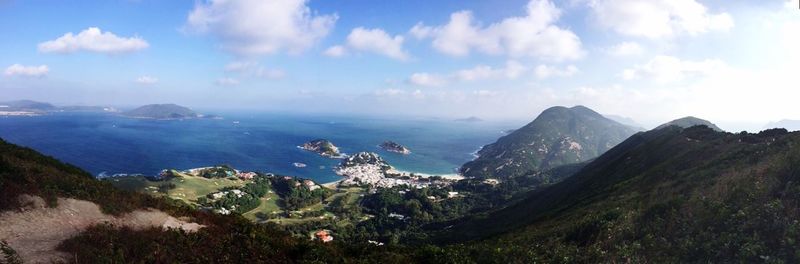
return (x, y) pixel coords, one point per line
(558, 136)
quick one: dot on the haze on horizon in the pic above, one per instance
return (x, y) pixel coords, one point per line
(731, 62)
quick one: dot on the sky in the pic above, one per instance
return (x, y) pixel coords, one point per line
(733, 62)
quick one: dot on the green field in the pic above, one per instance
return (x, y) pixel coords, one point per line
(269, 205)
(187, 188)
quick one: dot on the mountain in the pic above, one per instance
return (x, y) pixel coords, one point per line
(26, 105)
(668, 195)
(788, 124)
(690, 121)
(626, 121)
(558, 136)
(162, 111)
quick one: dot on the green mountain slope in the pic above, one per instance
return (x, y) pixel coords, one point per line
(558, 136)
(668, 195)
(690, 121)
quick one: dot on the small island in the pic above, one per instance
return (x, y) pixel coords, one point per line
(392, 146)
(323, 147)
(162, 111)
(470, 119)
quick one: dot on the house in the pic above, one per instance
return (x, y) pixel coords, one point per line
(491, 181)
(246, 175)
(397, 216)
(324, 236)
(452, 194)
(310, 185)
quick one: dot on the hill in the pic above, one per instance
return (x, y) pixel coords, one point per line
(26, 105)
(669, 195)
(626, 121)
(690, 121)
(51, 209)
(558, 136)
(322, 147)
(788, 124)
(162, 111)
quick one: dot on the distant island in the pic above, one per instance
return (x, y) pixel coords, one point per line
(163, 111)
(34, 108)
(469, 119)
(392, 146)
(322, 147)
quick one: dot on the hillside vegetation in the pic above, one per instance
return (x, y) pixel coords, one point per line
(558, 136)
(669, 195)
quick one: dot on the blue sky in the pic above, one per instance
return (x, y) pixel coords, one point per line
(732, 62)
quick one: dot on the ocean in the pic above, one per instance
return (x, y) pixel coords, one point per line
(107, 144)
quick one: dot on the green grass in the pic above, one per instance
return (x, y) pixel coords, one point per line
(189, 188)
(269, 205)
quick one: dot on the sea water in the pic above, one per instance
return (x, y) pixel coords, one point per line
(108, 144)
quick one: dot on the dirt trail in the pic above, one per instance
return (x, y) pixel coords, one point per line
(35, 230)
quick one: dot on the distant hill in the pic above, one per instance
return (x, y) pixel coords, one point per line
(690, 121)
(626, 121)
(788, 124)
(26, 105)
(558, 136)
(469, 119)
(669, 195)
(162, 111)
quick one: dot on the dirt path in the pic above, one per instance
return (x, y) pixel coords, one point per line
(35, 230)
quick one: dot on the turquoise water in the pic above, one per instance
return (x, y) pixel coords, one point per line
(109, 144)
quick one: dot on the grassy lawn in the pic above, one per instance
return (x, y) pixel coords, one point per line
(132, 183)
(189, 188)
(269, 204)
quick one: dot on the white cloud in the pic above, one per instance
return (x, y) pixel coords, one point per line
(254, 69)
(485, 93)
(544, 71)
(270, 73)
(240, 66)
(665, 69)
(227, 81)
(94, 40)
(375, 41)
(512, 70)
(626, 48)
(390, 92)
(656, 19)
(534, 35)
(257, 27)
(146, 80)
(792, 4)
(335, 51)
(427, 79)
(27, 71)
